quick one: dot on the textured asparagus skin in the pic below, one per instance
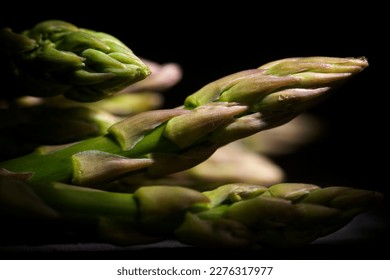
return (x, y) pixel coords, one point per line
(55, 57)
(224, 111)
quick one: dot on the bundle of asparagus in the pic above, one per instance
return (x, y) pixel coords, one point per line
(138, 148)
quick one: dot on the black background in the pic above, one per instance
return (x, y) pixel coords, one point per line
(211, 40)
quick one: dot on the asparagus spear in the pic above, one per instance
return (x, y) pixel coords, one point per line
(232, 215)
(58, 58)
(283, 215)
(161, 142)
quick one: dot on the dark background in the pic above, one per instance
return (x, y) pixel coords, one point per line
(211, 42)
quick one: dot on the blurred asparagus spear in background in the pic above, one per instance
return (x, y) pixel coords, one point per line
(249, 160)
(232, 215)
(163, 77)
(287, 138)
(231, 163)
(161, 142)
(58, 58)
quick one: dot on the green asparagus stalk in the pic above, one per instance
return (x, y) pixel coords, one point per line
(58, 58)
(161, 142)
(232, 215)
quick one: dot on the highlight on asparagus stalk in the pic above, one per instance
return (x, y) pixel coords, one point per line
(232, 215)
(58, 58)
(161, 142)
